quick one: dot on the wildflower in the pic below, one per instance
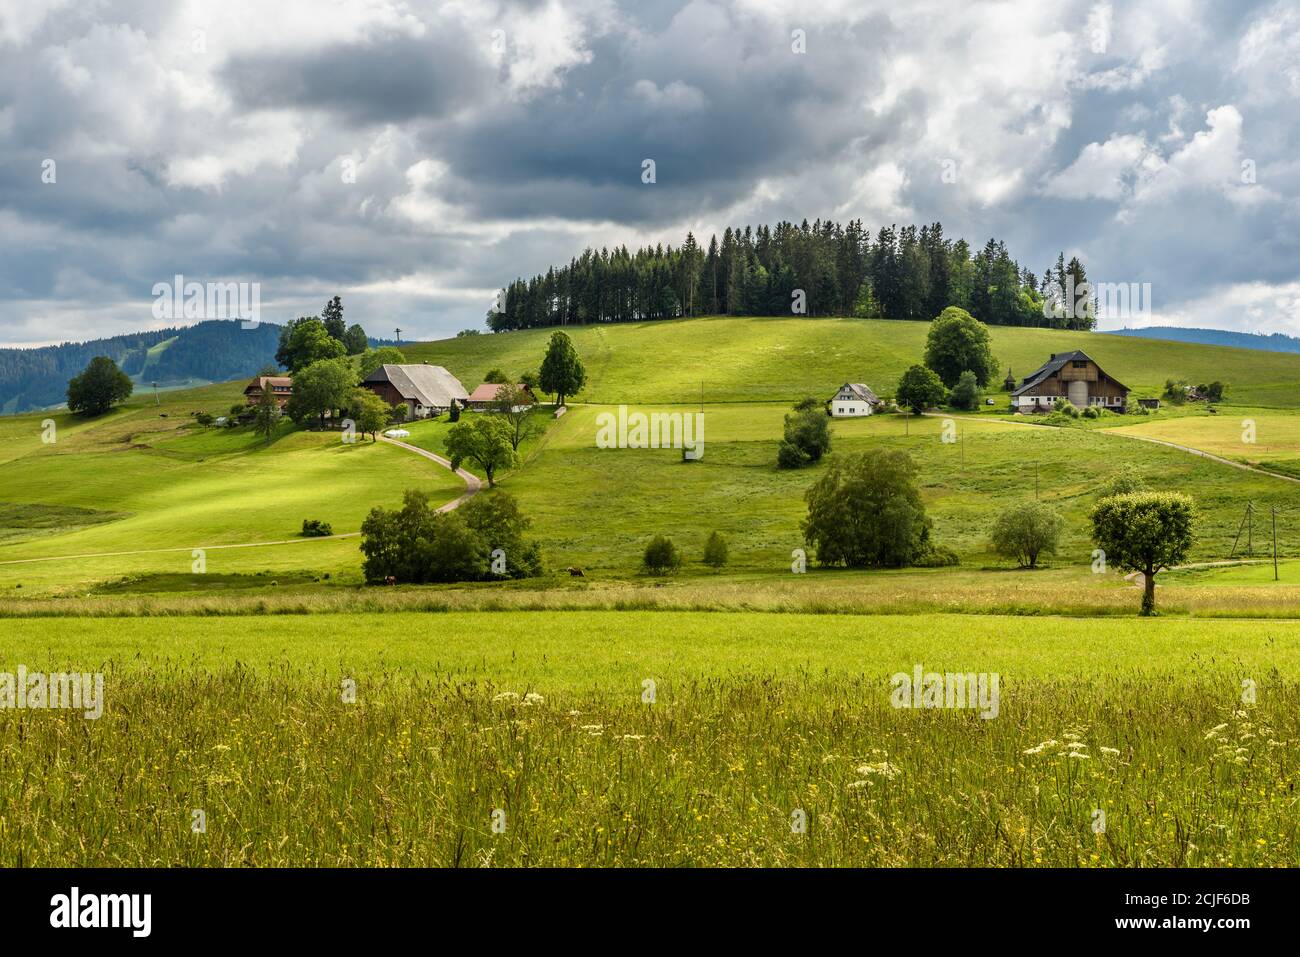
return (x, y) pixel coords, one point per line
(1109, 750)
(882, 768)
(534, 698)
(506, 696)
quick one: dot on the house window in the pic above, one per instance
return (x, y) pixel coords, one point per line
(1079, 363)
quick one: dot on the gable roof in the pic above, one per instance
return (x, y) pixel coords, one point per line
(1056, 364)
(487, 392)
(274, 381)
(431, 386)
(861, 390)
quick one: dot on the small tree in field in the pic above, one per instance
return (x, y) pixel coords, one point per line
(266, 417)
(866, 511)
(485, 441)
(715, 551)
(1144, 532)
(369, 412)
(562, 371)
(1026, 531)
(661, 556)
(919, 389)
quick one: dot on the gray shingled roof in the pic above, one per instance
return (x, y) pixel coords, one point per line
(861, 390)
(431, 386)
(1056, 364)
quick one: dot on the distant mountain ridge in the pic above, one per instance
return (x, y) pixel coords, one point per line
(213, 351)
(1273, 342)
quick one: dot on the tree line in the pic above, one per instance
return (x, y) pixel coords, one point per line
(819, 269)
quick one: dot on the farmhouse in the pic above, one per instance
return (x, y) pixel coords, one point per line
(280, 385)
(482, 398)
(425, 390)
(854, 398)
(1073, 376)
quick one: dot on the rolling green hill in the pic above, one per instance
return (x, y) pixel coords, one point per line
(146, 477)
(743, 359)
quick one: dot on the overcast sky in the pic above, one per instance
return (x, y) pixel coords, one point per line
(414, 157)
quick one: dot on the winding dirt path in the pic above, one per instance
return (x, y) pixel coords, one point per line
(472, 486)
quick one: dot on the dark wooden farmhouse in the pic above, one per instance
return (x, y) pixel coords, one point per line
(1073, 376)
(425, 390)
(280, 385)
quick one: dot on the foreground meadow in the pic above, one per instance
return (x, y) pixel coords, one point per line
(1119, 770)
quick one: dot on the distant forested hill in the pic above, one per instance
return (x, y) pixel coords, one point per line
(213, 351)
(1274, 342)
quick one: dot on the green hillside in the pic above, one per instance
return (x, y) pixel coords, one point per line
(129, 494)
(786, 358)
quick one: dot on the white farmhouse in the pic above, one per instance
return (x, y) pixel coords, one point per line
(854, 398)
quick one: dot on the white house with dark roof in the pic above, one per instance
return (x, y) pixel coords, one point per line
(854, 399)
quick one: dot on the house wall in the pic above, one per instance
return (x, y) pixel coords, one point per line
(844, 408)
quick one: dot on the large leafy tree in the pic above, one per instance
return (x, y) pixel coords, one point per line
(919, 389)
(866, 511)
(1145, 532)
(958, 342)
(304, 341)
(99, 387)
(497, 518)
(320, 389)
(485, 441)
(418, 544)
(562, 371)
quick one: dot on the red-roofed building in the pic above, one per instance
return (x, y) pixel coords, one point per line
(481, 399)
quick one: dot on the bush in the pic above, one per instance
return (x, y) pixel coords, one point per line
(661, 556)
(937, 556)
(204, 419)
(1027, 531)
(418, 544)
(315, 528)
(1127, 479)
(790, 456)
(1090, 412)
(867, 511)
(808, 432)
(715, 551)
(966, 393)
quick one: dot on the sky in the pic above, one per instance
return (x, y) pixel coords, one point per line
(415, 157)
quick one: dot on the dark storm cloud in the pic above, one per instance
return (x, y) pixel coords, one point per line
(390, 79)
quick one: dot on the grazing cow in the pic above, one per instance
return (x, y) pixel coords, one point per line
(390, 580)
(576, 572)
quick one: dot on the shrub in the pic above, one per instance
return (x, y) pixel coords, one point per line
(937, 556)
(1027, 531)
(790, 456)
(867, 511)
(808, 430)
(315, 528)
(1126, 479)
(204, 419)
(1090, 412)
(966, 393)
(715, 551)
(661, 556)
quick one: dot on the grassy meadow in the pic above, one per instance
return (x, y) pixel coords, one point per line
(224, 689)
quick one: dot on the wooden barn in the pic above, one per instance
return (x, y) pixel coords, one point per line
(1069, 375)
(425, 390)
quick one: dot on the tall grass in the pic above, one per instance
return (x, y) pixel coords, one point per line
(709, 774)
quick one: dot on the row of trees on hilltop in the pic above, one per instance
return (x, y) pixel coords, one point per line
(822, 269)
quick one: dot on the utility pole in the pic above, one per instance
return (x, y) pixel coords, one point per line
(963, 450)
(399, 336)
(1250, 529)
(1035, 481)
(1273, 510)
(701, 396)
(156, 400)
